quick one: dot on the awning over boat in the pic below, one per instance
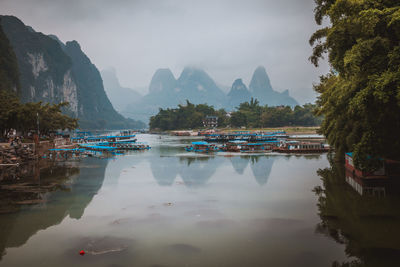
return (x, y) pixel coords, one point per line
(200, 143)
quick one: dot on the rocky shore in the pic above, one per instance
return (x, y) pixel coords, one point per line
(16, 154)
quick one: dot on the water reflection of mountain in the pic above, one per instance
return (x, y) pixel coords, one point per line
(239, 163)
(196, 171)
(164, 169)
(368, 226)
(261, 168)
(199, 170)
(120, 164)
(17, 228)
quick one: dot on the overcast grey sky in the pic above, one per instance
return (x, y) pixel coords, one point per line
(228, 38)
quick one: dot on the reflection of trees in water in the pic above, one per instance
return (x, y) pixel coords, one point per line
(368, 226)
(165, 150)
(190, 160)
(302, 156)
(18, 227)
(29, 183)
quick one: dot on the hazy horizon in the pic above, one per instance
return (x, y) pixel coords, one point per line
(228, 39)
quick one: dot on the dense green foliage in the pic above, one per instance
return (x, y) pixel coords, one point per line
(8, 65)
(23, 117)
(187, 116)
(360, 98)
(248, 114)
(251, 114)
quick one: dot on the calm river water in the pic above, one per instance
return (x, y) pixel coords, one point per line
(167, 207)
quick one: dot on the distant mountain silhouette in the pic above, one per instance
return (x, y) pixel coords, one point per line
(198, 87)
(238, 94)
(119, 96)
(165, 91)
(163, 81)
(261, 89)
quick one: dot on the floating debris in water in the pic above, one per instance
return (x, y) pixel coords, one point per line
(103, 245)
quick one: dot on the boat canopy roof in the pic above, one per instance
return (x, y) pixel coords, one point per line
(255, 144)
(238, 141)
(65, 149)
(109, 136)
(98, 147)
(200, 143)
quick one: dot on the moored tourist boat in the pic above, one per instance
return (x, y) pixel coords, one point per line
(202, 147)
(127, 136)
(111, 138)
(233, 146)
(243, 136)
(302, 147)
(96, 147)
(256, 147)
(121, 145)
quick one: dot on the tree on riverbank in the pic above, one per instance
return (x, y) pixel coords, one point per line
(187, 116)
(251, 114)
(23, 117)
(360, 97)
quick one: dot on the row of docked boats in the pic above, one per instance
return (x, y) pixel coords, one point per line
(244, 136)
(255, 143)
(113, 143)
(86, 144)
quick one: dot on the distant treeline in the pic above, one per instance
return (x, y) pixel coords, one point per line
(187, 116)
(248, 114)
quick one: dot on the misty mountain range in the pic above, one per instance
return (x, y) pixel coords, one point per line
(195, 85)
(52, 72)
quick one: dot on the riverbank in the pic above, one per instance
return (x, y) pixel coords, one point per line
(290, 130)
(23, 152)
(16, 154)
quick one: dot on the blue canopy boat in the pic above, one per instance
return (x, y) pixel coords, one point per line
(202, 147)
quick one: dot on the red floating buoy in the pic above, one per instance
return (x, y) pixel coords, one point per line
(82, 252)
